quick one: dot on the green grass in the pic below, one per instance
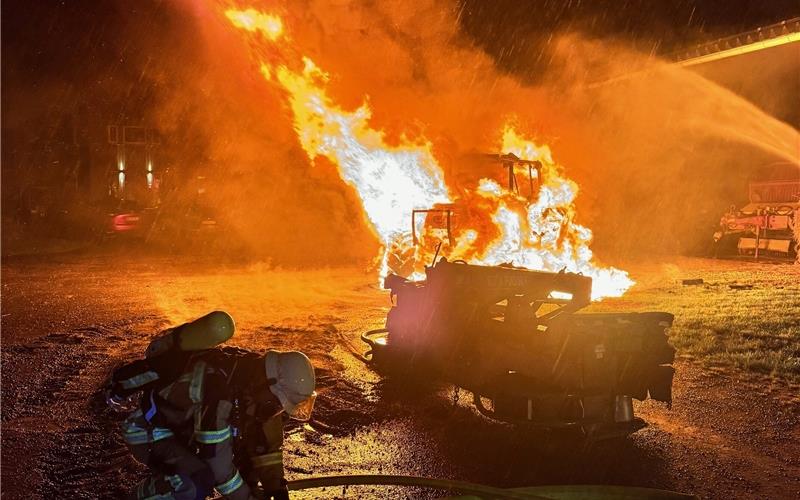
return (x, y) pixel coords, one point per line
(756, 330)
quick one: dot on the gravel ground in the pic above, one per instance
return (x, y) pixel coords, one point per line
(68, 319)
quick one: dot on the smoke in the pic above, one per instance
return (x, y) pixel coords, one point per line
(235, 133)
(658, 156)
(671, 149)
(410, 63)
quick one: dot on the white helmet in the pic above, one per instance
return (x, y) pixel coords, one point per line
(292, 381)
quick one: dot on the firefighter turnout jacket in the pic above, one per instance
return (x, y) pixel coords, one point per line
(197, 421)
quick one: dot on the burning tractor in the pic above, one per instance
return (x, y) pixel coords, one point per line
(511, 336)
(515, 340)
(450, 228)
(768, 226)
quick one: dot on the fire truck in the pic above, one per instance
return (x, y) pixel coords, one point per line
(768, 226)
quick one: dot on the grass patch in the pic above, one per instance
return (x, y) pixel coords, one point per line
(756, 330)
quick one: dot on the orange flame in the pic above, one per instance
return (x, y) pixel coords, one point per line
(552, 240)
(269, 25)
(387, 179)
(502, 226)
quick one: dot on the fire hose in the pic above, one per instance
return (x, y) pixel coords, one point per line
(568, 492)
(367, 337)
(425, 482)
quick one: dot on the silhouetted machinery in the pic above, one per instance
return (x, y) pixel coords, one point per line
(768, 226)
(513, 339)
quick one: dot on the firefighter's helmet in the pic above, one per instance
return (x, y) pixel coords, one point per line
(291, 379)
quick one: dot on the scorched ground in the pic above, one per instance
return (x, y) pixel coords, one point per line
(67, 319)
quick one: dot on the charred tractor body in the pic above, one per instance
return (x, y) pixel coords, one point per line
(513, 338)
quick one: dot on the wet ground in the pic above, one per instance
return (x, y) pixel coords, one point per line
(68, 319)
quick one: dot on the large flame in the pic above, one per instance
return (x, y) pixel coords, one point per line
(552, 240)
(496, 225)
(388, 179)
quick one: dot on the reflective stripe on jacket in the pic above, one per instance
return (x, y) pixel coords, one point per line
(198, 403)
(136, 430)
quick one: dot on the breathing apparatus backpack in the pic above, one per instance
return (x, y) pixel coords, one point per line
(168, 355)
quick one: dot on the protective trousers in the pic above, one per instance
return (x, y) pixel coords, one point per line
(262, 458)
(177, 472)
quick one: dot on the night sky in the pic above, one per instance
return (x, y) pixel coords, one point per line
(80, 50)
(508, 29)
(51, 39)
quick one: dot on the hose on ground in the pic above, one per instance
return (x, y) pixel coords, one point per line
(365, 357)
(566, 492)
(425, 482)
(366, 335)
(366, 338)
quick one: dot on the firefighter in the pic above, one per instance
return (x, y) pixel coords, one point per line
(188, 419)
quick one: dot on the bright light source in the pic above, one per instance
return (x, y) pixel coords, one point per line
(121, 178)
(121, 166)
(252, 20)
(149, 180)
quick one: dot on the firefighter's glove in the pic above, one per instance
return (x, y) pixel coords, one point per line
(120, 404)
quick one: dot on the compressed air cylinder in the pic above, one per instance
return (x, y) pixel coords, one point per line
(203, 333)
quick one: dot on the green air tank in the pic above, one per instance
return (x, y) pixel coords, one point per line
(206, 332)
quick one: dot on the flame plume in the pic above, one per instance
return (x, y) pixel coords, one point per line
(498, 225)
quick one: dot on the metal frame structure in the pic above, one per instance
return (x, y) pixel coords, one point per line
(123, 136)
(503, 334)
(750, 41)
(508, 161)
(449, 215)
